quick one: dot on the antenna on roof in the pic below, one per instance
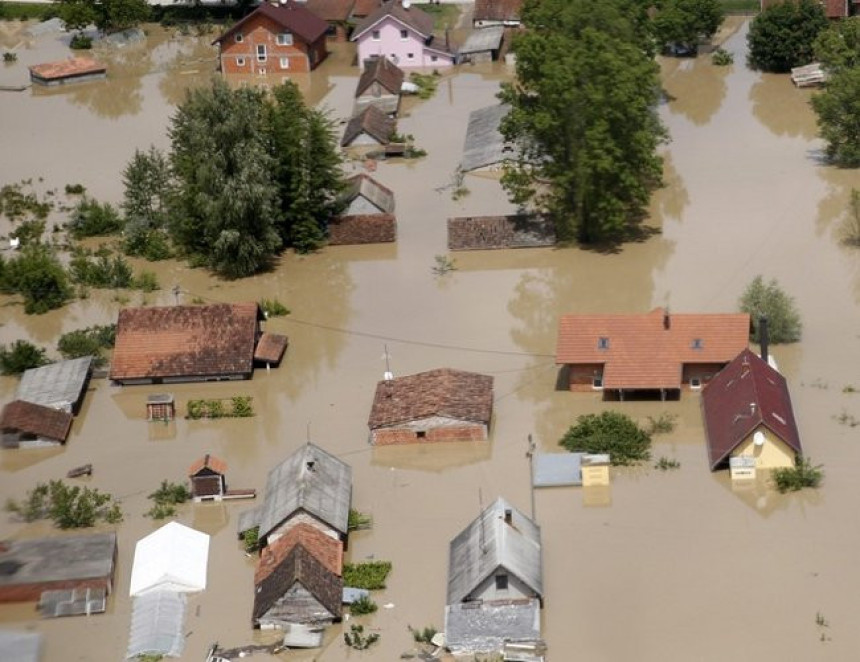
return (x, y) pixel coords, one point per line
(308, 432)
(388, 376)
(483, 537)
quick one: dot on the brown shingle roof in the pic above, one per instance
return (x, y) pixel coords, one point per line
(185, 341)
(414, 18)
(383, 71)
(28, 418)
(371, 121)
(291, 16)
(208, 462)
(362, 229)
(366, 186)
(486, 232)
(334, 11)
(497, 10)
(640, 353)
(745, 394)
(465, 396)
(271, 348)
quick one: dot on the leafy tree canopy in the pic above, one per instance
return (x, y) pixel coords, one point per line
(106, 15)
(686, 22)
(838, 47)
(37, 275)
(838, 110)
(21, 355)
(609, 432)
(770, 300)
(782, 36)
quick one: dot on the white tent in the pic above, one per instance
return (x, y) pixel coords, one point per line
(172, 558)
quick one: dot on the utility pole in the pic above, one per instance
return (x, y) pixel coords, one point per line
(530, 455)
(176, 292)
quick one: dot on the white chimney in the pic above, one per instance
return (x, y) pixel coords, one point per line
(752, 408)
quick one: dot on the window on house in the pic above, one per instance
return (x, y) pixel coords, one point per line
(421, 434)
(240, 62)
(285, 63)
(597, 382)
(375, 35)
(501, 582)
(410, 56)
(695, 382)
(697, 343)
(238, 38)
(285, 39)
(404, 35)
(261, 52)
(603, 343)
(433, 58)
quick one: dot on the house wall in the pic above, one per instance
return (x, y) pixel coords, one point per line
(398, 50)
(363, 139)
(32, 592)
(705, 372)
(361, 205)
(297, 605)
(581, 375)
(301, 517)
(597, 475)
(487, 590)
(774, 453)
(300, 57)
(435, 429)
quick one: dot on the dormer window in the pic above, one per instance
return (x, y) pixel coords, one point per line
(697, 343)
(603, 342)
(285, 39)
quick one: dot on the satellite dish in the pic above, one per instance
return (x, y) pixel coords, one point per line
(388, 376)
(407, 4)
(758, 438)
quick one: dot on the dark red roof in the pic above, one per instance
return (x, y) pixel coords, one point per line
(28, 418)
(639, 351)
(271, 348)
(364, 7)
(291, 16)
(414, 18)
(497, 10)
(211, 462)
(362, 229)
(334, 11)
(456, 394)
(745, 394)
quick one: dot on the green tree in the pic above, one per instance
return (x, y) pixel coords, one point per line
(78, 14)
(838, 111)
(106, 15)
(69, 507)
(687, 22)
(92, 341)
(583, 109)
(770, 300)
(782, 36)
(147, 184)
(21, 355)
(838, 47)
(90, 218)
(608, 432)
(226, 199)
(37, 275)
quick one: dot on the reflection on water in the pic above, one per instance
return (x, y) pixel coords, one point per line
(695, 86)
(782, 107)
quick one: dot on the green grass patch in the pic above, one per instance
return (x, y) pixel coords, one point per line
(370, 575)
(444, 16)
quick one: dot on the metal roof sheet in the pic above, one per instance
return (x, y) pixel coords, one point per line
(556, 469)
(483, 39)
(486, 627)
(56, 385)
(485, 145)
(157, 624)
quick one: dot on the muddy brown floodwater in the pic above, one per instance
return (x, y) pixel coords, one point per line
(668, 566)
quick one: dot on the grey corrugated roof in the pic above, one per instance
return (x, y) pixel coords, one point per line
(556, 469)
(19, 646)
(157, 624)
(489, 543)
(483, 39)
(58, 558)
(250, 518)
(378, 195)
(485, 145)
(484, 628)
(312, 480)
(57, 385)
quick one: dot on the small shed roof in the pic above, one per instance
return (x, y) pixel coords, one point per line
(485, 628)
(556, 469)
(457, 394)
(467, 233)
(44, 422)
(411, 17)
(367, 187)
(20, 646)
(485, 145)
(383, 71)
(157, 624)
(371, 121)
(271, 348)
(55, 559)
(497, 10)
(289, 15)
(362, 229)
(311, 480)
(745, 394)
(210, 462)
(490, 542)
(173, 557)
(57, 385)
(185, 341)
(69, 68)
(483, 39)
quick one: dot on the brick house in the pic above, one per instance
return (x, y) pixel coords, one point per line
(438, 405)
(649, 354)
(275, 38)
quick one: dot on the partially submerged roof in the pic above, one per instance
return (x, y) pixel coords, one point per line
(210, 463)
(383, 71)
(490, 542)
(745, 394)
(556, 469)
(367, 187)
(362, 229)
(311, 480)
(72, 602)
(411, 17)
(483, 39)
(648, 351)
(371, 121)
(157, 624)
(185, 341)
(20, 646)
(324, 548)
(44, 422)
(466, 233)
(289, 15)
(174, 557)
(69, 68)
(57, 385)
(485, 145)
(485, 628)
(271, 348)
(455, 394)
(497, 10)
(56, 559)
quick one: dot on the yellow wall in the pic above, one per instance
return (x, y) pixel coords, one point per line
(774, 453)
(596, 475)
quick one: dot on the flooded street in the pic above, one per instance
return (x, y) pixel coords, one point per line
(669, 565)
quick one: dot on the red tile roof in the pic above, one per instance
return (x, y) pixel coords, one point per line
(28, 418)
(497, 10)
(327, 550)
(334, 11)
(208, 462)
(362, 229)
(271, 348)
(745, 394)
(464, 396)
(418, 20)
(638, 352)
(185, 341)
(291, 16)
(75, 66)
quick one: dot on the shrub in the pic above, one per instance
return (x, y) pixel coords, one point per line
(423, 636)
(802, 474)
(609, 432)
(370, 575)
(251, 540)
(356, 639)
(20, 356)
(364, 605)
(147, 243)
(37, 275)
(663, 424)
(852, 220)
(9, 56)
(722, 58)
(91, 218)
(768, 299)
(665, 464)
(170, 494)
(242, 407)
(70, 507)
(29, 232)
(146, 281)
(426, 83)
(358, 520)
(91, 341)
(273, 308)
(81, 42)
(101, 269)
(75, 189)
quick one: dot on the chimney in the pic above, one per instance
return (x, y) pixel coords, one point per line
(509, 516)
(752, 408)
(667, 323)
(763, 338)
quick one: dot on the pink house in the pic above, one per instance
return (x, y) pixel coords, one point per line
(403, 34)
